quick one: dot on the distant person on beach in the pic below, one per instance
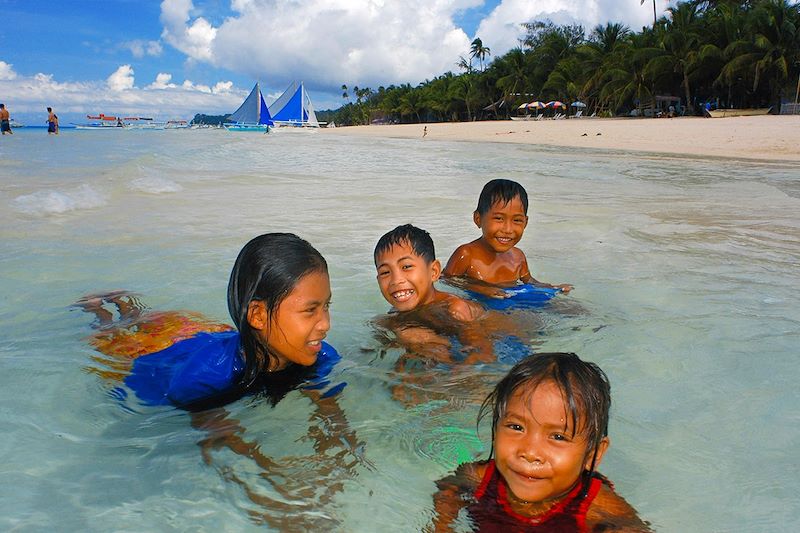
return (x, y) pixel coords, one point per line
(119, 123)
(52, 122)
(492, 262)
(549, 434)
(424, 131)
(5, 120)
(278, 298)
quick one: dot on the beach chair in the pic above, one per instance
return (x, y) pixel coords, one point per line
(579, 114)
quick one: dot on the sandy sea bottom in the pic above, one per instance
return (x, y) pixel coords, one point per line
(686, 295)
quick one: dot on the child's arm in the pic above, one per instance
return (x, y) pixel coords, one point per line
(458, 263)
(609, 512)
(453, 495)
(324, 473)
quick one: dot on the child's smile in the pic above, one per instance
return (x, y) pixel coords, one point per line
(301, 322)
(406, 279)
(503, 225)
(536, 451)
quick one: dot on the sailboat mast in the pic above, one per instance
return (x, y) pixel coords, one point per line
(258, 103)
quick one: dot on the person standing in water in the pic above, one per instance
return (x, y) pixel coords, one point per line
(52, 122)
(5, 120)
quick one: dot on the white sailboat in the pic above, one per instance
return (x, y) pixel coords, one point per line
(252, 115)
(294, 108)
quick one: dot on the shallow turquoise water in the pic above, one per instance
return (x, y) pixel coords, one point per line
(685, 268)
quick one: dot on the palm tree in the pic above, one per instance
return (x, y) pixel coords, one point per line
(477, 50)
(624, 79)
(769, 50)
(515, 76)
(680, 40)
(606, 48)
(464, 64)
(344, 92)
(411, 103)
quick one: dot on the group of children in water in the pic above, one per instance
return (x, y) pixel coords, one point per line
(549, 413)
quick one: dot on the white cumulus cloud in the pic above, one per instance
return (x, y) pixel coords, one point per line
(6, 72)
(162, 81)
(121, 79)
(324, 42)
(118, 95)
(140, 48)
(192, 39)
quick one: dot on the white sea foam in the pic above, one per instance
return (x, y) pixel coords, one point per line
(50, 202)
(154, 185)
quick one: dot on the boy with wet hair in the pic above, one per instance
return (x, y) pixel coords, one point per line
(407, 267)
(427, 322)
(492, 262)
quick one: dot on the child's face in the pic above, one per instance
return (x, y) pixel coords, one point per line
(405, 279)
(535, 451)
(295, 330)
(503, 225)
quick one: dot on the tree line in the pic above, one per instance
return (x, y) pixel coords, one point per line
(730, 54)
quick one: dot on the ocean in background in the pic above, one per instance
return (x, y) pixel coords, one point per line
(686, 294)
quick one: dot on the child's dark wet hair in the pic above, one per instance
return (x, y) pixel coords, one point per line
(267, 269)
(418, 239)
(503, 191)
(584, 387)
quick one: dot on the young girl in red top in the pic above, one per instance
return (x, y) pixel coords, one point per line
(549, 434)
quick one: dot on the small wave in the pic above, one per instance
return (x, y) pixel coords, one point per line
(154, 185)
(55, 202)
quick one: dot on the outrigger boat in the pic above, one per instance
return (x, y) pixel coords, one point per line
(724, 113)
(294, 109)
(101, 122)
(252, 115)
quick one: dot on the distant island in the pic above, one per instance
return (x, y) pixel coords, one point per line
(212, 120)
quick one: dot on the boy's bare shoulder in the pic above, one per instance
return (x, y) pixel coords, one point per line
(460, 259)
(463, 310)
(610, 512)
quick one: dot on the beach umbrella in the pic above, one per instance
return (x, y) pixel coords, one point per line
(522, 106)
(555, 103)
(578, 103)
(536, 105)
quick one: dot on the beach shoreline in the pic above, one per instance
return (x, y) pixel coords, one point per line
(769, 137)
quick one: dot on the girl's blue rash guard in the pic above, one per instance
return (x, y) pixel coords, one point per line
(209, 365)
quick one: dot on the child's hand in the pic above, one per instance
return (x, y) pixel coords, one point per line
(565, 287)
(500, 293)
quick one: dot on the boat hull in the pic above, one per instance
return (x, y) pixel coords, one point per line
(247, 127)
(723, 113)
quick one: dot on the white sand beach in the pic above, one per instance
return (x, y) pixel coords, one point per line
(756, 137)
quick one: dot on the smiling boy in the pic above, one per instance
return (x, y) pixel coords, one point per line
(424, 319)
(493, 260)
(407, 270)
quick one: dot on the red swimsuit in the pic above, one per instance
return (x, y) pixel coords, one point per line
(491, 511)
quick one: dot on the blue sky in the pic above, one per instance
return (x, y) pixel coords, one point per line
(175, 58)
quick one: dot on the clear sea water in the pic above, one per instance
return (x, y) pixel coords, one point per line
(686, 275)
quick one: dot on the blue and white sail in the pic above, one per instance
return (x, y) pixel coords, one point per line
(294, 108)
(253, 114)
